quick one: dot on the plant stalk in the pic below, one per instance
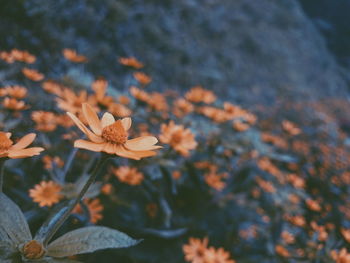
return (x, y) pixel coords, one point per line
(104, 157)
(2, 169)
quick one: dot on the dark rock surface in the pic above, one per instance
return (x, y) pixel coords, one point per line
(252, 51)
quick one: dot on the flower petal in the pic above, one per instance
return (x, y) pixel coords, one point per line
(24, 142)
(93, 137)
(109, 148)
(92, 119)
(143, 154)
(83, 144)
(107, 119)
(121, 151)
(142, 143)
(8, 134)
(126, 123)
(14, 154)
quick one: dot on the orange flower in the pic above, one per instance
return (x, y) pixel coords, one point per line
(128, 175)
(53, 87)
(111, 136)
(240, 126)
(49, 161)
(341, 257)
(346, 234)
(119, 110)
(99, 87)
(313, 205)
(181, 139)
(291, 128)
(124, 100)
(95, 209)
(217, 115)
(71, 55)
(17, 55)
(287, 237)
(13, 104)
(157, 102)
(131, 62)
(176, 175)
(213, 255)
(72, 102)
(214, 180)
(17, 92)
(45, 121)
(282, 251)
(198, 94)
(195, 250)
(46, 193)
(139, 94)
(32, 74)
(182, 107)
(142, 78)
(17, 150)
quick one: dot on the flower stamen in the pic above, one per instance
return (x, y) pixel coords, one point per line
(115, 133)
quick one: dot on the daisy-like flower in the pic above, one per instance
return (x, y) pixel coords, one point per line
(198, 94)
(181, 139)
(131, 62)
(32, 74)
(45, 121)
(46, 193)
(73, 56)
(111, 136)
(17, 92)
(219, 255)
(94, 207)
(196, 249)
(18, 150)
(142, 78)
(13, 104)
(128, 175)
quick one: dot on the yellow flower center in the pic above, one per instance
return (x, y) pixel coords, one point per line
(33, 250)
(5, 143)
(115, 133)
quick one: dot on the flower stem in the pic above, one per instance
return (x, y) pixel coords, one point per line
(2, 168)
(63, 218)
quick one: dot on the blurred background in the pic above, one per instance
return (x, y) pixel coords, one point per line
(252, 51)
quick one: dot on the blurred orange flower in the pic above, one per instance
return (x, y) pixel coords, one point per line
(111, 136)
(94, 207)
(195, 250)
(32, 74)
(17, 55)
(119, 110)
(71, 55)
(128, 175)
(18, 150)
(290, 128)
(49, 161)
(341, 257)
(16, 91)
(46, 193)
(198, 94)
(53, 87)
(219, 255)
(182, 107)
(181, 139)
(45, 121)
(143, 78)
(99, 86)
(131, 62)
(13, 104)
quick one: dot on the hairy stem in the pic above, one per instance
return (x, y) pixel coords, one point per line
(92, 178)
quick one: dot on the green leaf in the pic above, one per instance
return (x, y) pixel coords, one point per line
(87, 240)
(13, 222)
